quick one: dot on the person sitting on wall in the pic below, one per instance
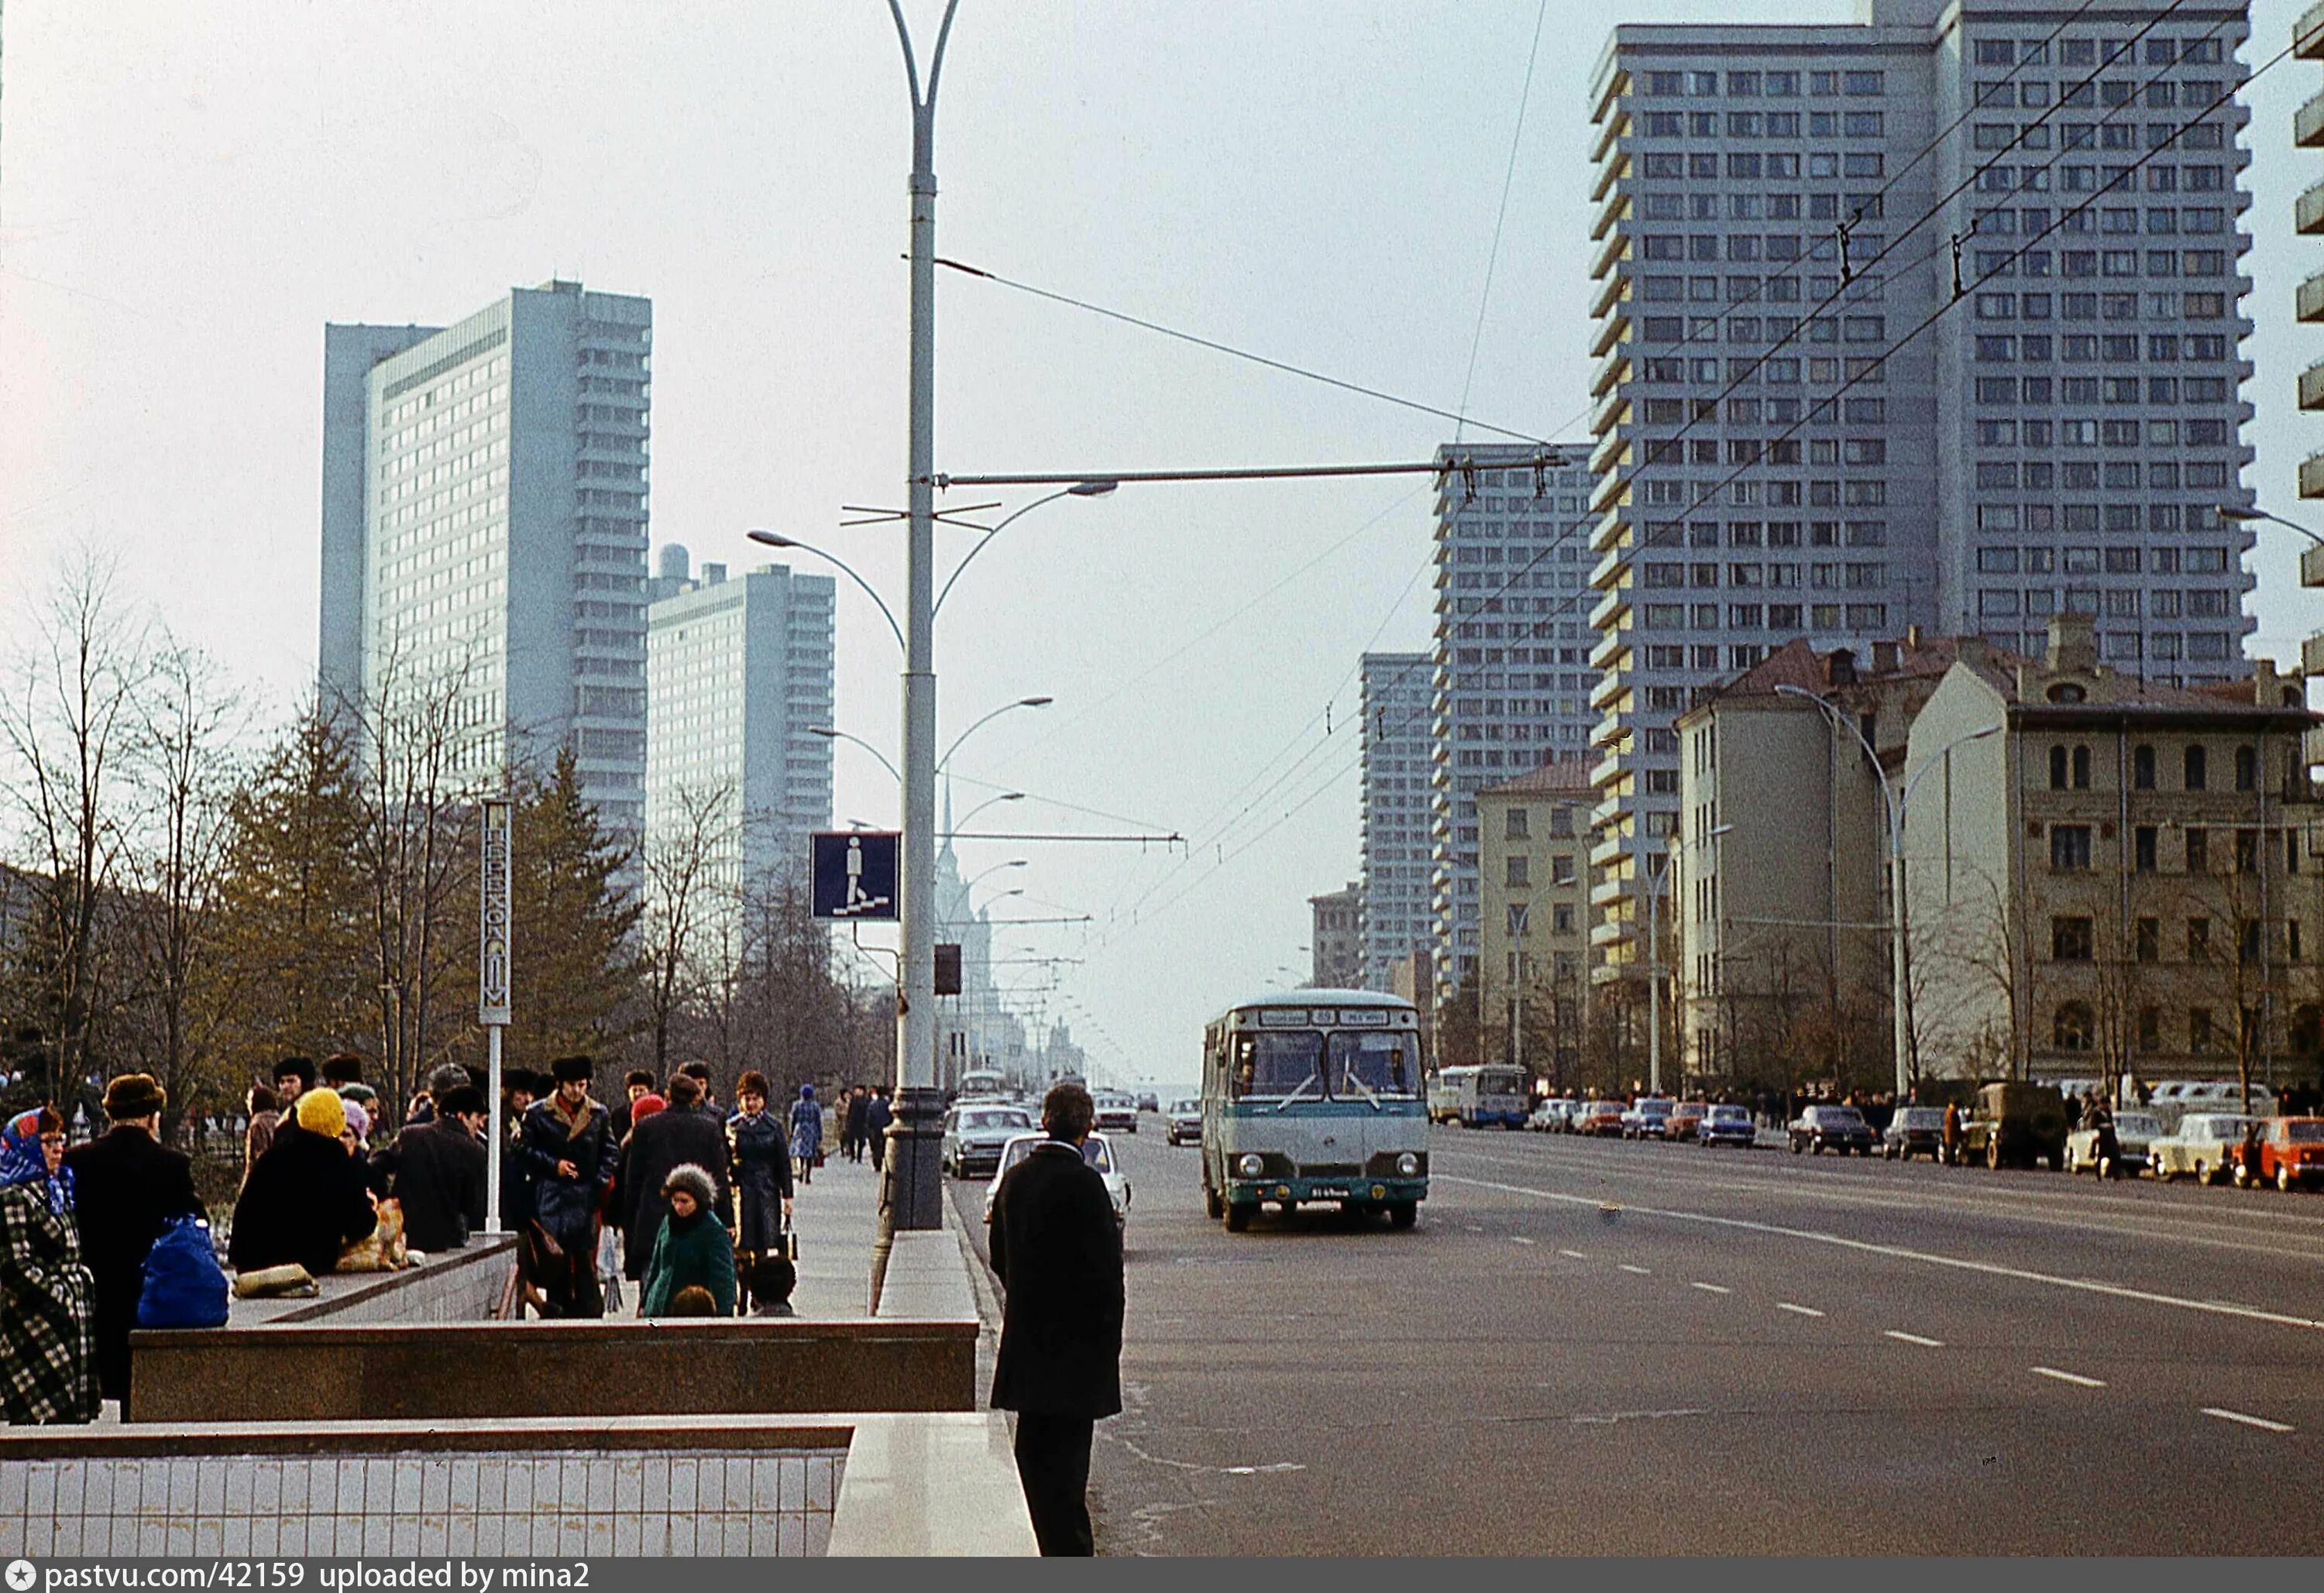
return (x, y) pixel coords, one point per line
(307, 1200)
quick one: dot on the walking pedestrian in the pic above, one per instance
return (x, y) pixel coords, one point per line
(761, 1174)
(293, 1077)
(681, 1135)
(308, 1199)
(520, 1088)
(126, 1186)
(636, 1085)
(876, 1119)
(436, 1171)
(851, 1131)
(699, 1072)
(690, 1248)
(1058, 1252)
(264, 1113)
(568, 1143)
(806, 1134)
(47, 1300)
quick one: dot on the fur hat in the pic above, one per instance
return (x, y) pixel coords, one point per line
(135, 1095)
(460, 1100)
(572, 1069)
(448, 1076)
(357, 1118)
(525, 1079)
(693, 1180)
(300, 1068)
(321, 1111)
(343, 1067)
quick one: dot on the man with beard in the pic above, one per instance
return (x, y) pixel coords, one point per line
(569, 1149)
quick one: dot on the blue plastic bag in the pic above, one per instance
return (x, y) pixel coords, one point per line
(184, 1286)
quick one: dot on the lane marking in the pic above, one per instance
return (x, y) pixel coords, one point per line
(1797, 1310)
(1930, 1257)
(1575, 1254)
(1711, 1288)
(2076, 1378)
(1916, 1338)
(2261, 1423)
(1518, 1239)
(1641, 1271)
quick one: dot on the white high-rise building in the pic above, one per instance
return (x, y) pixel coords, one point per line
(1399, 691)
(738, 674)
(1807, 424)
(1511, 679)
(485, 530)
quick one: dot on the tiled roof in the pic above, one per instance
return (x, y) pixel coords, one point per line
(1558, 776)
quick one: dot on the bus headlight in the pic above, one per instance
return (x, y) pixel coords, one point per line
(1407, 1164)
(1251, 1165)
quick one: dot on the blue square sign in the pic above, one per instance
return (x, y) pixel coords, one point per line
(855, 874)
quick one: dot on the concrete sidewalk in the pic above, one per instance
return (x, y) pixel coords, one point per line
(837, 1218)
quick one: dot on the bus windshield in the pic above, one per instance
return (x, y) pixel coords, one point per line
(1374, 1063)
(1282, 1063)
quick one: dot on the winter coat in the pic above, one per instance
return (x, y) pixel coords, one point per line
(876, 1117)
(807, 1129)
(307, 1201)
(762, 1180)
(568, 1207)
(257, 1139)
(689, 1251)
(516, 1178)
(854, 1121)
(1058, 1252)
(48, 1313)
(664, 1142)
(439, 1170)
(126, 1186)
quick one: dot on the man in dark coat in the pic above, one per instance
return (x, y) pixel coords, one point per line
(851, 1125)
(876, 1119)
(520, 1088)
(681, 1135)
(128, 1185)
(636, 1085)
(307, 1200)
(570, 1148)
(1058, 1251)
(439, 1172)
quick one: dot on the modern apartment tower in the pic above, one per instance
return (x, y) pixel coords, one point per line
(1927, 319)
(485, 511)
(1399, 691)
(738, 676)
(1511, 684)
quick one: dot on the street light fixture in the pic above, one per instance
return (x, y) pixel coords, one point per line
(828, 734)
(1658, 871)
(988, 718)
(2243, 516)
(1015, 863)
(771, 539)
(1898, 927)
(1086, 489)
(961, 822)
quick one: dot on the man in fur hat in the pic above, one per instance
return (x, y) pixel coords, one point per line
(128, 1185)
(569, 1149)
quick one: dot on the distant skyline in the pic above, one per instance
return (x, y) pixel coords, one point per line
(188, 193)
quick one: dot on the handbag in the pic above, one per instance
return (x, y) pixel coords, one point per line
(787, 1242)
(184, 1285)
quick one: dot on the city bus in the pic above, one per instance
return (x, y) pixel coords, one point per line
(1315, 1096)
(1474, 1097)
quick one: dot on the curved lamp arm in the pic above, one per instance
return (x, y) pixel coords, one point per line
(1083, 489)
(771, 539)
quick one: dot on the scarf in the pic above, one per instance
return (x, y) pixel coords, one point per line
(21, 1162)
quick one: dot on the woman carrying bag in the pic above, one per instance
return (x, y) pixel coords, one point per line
(47, 1300)
(761, 1179)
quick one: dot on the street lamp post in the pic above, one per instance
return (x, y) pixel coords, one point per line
(1893, 801)
(1657, 872)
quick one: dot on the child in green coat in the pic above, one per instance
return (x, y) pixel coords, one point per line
(691, 1249)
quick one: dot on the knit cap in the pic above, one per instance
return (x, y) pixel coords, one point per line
(321, 1111)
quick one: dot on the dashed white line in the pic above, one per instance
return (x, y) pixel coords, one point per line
(1711, 1288)
(2076, 1378)
(2261, 1423)
(1916, 1338)
(1641, 1271)
(1574, 1254)
(1797, 1310)
(1518, 1239)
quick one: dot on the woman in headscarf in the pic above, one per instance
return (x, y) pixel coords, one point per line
(47, 1300)
(806, 1134)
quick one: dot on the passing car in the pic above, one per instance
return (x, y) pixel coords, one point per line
(1096, 1150)
(975, 1133)
(1726, 1125)
(1685, 1118)
(1186, 1122)
(1147, 1102)
(1915, 1131)
(1837, 1128)
(2134, 1134)
(1116, 1111)
(1648, 1119)
(2291, 1152)
(1598, 1117)
(2204, 1149)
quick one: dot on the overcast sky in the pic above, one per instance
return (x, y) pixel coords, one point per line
(189, 191)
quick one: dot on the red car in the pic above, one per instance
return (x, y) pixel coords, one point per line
(2291, 1152)
(1598, 1117)
(1685, 1118)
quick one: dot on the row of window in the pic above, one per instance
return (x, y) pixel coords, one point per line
(1763, 125)
(1833, 576)
(2167, 308)
(2075, 1029)
(1520, 870)
(1762, 85)
(1749, 165)
(2112, 561)
(2074, 940)
(2070, 850)
(2091, 51)
(1778, 533)
(1789, 617)
(1857, 492)
(2069, 770)
(2122, 603)
(2083, 264)
(2109, 135)
(2139, 650)
(2002, 390)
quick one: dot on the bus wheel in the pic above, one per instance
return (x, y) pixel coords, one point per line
(1404, 1213)
(1212, 1204)
(1238, 1217)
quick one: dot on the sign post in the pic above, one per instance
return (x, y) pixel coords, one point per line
(493, 884)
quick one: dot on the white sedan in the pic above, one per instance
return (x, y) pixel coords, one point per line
(1096, 1150)
(2134, 1132)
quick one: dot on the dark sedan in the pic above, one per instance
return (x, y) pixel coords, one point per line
(1838, 1128)
(1915, 1131)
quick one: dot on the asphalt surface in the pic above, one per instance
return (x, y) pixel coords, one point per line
(1593, 1347)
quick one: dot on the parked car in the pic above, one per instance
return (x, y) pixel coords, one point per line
(1598, 1117)
(2291, 1152)
(1838, 1128)
(1913, 1132)
(1648, 1119)
(2017, 1125)
(1117, 1111)
(2134, 1134)
(1096, 1150)
(1685, 1118)
(1543, 1119)
(1726, 1125)
(1186, 1122)
(974, 1136)
(2203, 1148)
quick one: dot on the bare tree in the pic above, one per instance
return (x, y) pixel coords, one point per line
(683, 892)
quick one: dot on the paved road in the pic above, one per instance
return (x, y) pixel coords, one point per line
(1592, 1347)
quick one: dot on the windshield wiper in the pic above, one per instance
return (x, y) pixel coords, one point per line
(1287, 1101)
(1367, 1088)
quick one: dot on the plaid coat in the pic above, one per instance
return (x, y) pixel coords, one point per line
(48, 1305)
